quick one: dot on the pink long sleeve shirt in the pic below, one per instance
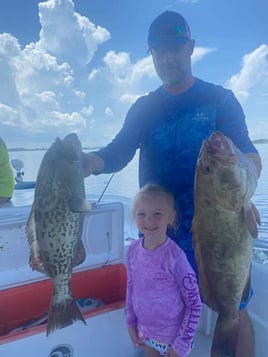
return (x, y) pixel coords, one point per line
(163, 300)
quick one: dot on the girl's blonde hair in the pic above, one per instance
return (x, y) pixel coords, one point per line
(152, 190)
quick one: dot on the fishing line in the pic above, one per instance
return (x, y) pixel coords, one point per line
(105, 188)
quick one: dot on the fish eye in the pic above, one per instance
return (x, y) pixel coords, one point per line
(208, 170)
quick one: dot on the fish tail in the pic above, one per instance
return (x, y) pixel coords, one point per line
(63, 315)
(225, 338)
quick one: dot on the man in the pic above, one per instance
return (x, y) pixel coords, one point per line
(168, 126)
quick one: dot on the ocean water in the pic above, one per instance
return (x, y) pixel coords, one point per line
(125, 182)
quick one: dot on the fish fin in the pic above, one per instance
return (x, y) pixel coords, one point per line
(79, 205)
(36, 264)
(34, 259)
(252, 218)
(80, 254)
(63, 315)
(194, 229)
(30, 230)
(225, 337)
(256, 213)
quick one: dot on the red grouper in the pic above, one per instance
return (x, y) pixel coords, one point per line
(55, 224)
(224, 225)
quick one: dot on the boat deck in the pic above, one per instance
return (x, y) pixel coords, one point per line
(202, 345)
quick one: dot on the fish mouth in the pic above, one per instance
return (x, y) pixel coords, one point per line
(221, 149)
(69, 147)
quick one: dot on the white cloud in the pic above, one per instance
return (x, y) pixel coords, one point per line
(129, 79)
(108, 111)
(57, 84)
(87, 111)
(143, 68)
(65, 33)
(250, 87)
(45, 82)
(200, 52)
(253, 74)
(10, 62)
(129, 98)
(65, 119)
(9, 116)
(52, 91)
(93, 74)
(117, 62)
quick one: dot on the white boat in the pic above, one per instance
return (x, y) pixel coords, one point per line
(108, 230)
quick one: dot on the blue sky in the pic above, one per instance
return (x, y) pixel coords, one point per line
(78, 65)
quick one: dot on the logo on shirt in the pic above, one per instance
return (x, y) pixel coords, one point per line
(200, 116)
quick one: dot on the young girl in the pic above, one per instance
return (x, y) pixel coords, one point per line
(163, 304)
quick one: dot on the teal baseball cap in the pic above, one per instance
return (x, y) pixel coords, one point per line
(168, 27)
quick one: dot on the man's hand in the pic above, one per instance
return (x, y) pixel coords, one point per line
(92, 163)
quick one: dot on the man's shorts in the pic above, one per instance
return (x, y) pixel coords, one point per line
(243, 304)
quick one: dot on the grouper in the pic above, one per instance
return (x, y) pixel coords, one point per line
(55, 224)
(224, 225)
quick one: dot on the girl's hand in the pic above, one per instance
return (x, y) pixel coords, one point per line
(136, 340)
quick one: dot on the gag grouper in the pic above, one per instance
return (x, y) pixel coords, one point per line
(224, 224)
(55, 225)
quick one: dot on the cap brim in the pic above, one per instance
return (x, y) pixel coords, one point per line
(168, 40)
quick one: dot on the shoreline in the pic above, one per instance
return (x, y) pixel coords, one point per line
(94, 148)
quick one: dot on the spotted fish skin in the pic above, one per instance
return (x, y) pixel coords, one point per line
(54, 227)
(224, 226)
